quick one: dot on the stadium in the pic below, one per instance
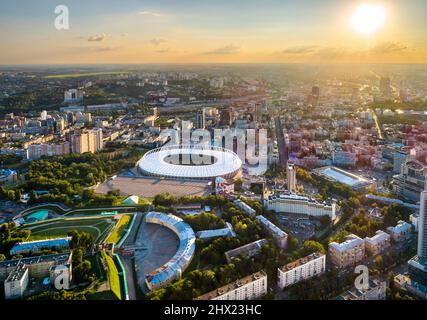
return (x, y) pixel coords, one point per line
(190, 162)
(172, 269)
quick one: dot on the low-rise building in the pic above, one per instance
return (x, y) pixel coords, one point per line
(38, 267)
(16, 283)
(224, 232)
(244, 207)
(378, 243)
(376, 291)
(278, 234)
(301, 269)
(402, 231)
(348, 252)
(292, 203)
(248, 250)
(39, 245)
(247, 288)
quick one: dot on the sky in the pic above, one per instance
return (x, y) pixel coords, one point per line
(219, 31)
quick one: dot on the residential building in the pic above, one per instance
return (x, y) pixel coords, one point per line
(278, 234)
(88, 141)
(402, 231)
(36, 151)
(244, 207)
(201, 119)
(292, 203)
(7, 175)
(224, 232)
(73, 96)
(413, 218)
(248, 288)
(344, 158)
(376, 291)
(248, 250)
(38, 267)
(301, 269)
(411, 181)
(347, 253)
(16, 283)
(378, 243)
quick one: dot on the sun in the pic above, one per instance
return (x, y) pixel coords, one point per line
(368, 18)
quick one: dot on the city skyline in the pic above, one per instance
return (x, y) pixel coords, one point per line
(221, 32)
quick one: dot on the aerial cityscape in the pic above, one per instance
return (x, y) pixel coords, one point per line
(274, 150)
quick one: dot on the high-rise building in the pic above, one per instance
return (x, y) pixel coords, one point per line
(225, 117)
(291, 176)
(422, 226)
(411, 181)
(417, 266)
(315, 91)
(89, 141)
(43, 115)
(385, 85)
(201, 119)
(73, 96)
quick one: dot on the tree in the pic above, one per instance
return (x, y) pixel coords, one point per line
(310, 247)
(2, 257)
(379, 262)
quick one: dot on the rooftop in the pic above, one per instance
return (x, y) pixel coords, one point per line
(60, 258)
(231, 254)
(351, 242)
(272, 227)
(401, 226)
(380, 236)
(301, 261)
(232, 286)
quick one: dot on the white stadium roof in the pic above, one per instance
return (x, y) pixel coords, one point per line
(226, 163)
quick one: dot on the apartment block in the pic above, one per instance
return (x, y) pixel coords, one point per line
(301, 269)
(348, 252)
(378, 243)
(248, 288)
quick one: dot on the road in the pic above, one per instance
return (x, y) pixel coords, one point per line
(377, 125)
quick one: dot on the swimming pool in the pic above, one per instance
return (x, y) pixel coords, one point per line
(37, 216)
(344, 177)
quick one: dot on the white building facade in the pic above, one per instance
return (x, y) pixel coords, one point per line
(293, 203)
(301, 269)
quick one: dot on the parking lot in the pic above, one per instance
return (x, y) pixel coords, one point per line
(298, 225)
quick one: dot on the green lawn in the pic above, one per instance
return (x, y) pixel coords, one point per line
(120, 229)
(113, 275)
(99, 228)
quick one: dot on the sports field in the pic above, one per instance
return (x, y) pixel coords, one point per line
(99, 228)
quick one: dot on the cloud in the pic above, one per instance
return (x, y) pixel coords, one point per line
(97, 38)
(389, 47)
(230, 49)
(150, 13)
(156, 41)
(163, 50)
(300, 49)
